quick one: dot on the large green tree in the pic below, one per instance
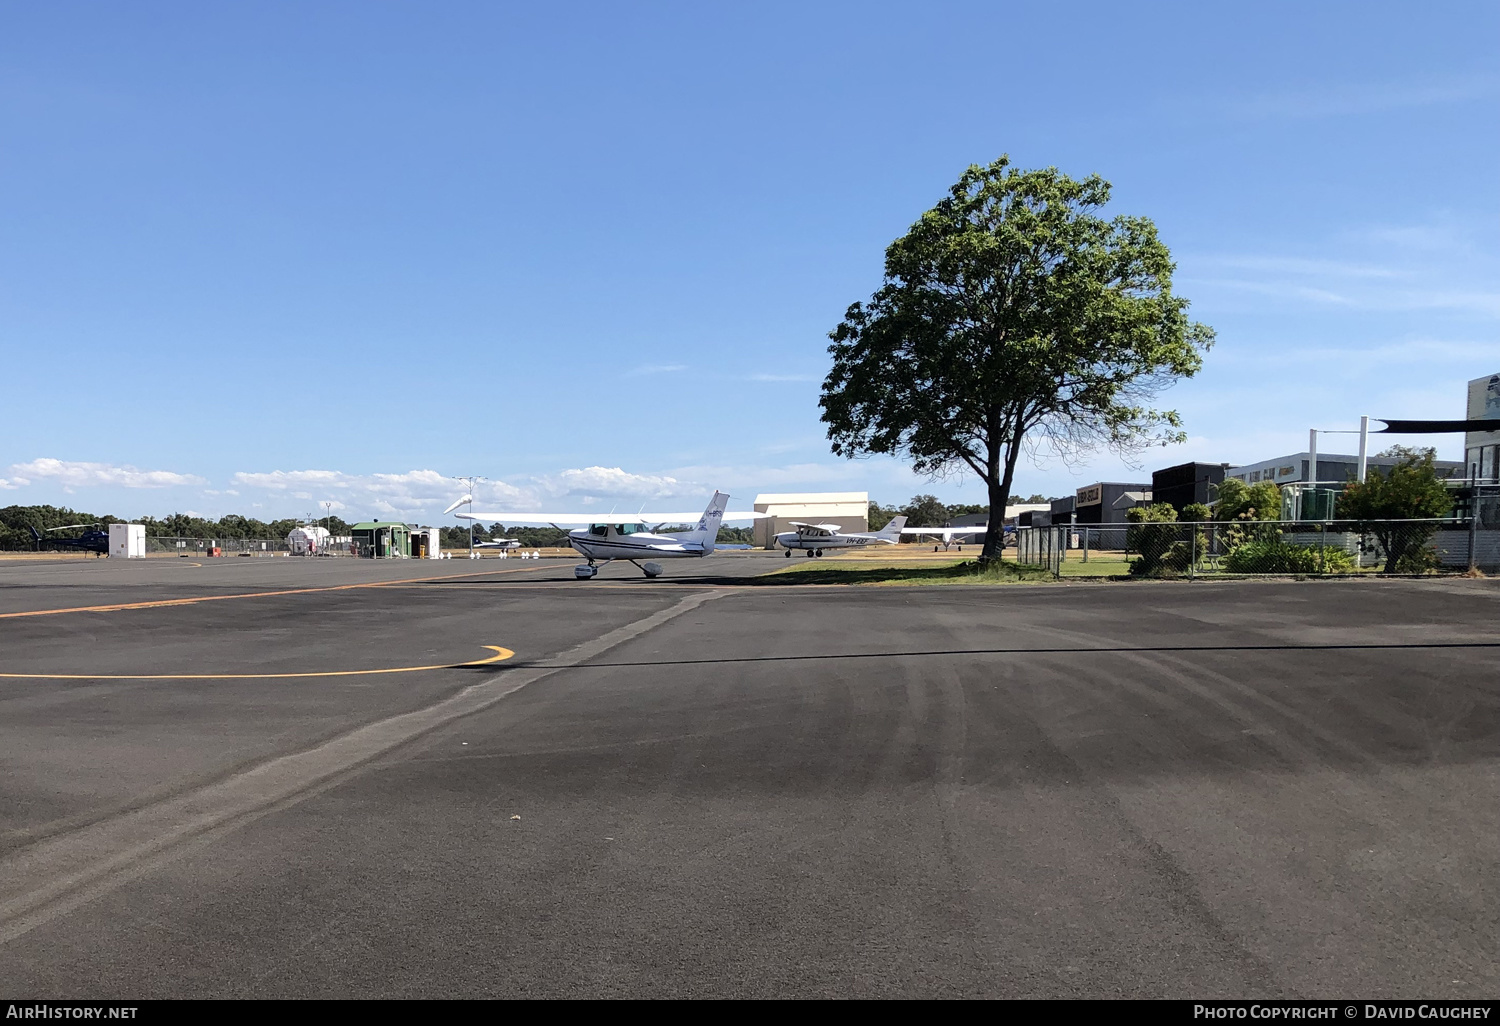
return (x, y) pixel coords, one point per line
(1012, 317)
(1399, 508)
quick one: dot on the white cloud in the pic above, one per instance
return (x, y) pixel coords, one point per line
(411, 492)
(10, 484)
(657, 368)
(71, 474)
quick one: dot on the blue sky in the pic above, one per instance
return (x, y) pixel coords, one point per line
(257, 257)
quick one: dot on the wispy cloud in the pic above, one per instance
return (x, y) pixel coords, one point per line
(1298, 265)
(656, 368)
(73, 474)
(1434, 266)
(783, 377)
(427, 492)
(1366, 97)
(397, 494)
(1277, 289)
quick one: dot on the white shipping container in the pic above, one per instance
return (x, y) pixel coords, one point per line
(127, 541)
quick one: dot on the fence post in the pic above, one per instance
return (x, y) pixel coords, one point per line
(1193, 551)
(1085, 544)
(1474, 531)
(1322, 541)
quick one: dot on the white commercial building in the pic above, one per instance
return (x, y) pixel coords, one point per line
(127, 541)
(1482, 448)
(850, 511)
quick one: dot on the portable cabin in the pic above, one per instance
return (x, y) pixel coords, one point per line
(382, 539)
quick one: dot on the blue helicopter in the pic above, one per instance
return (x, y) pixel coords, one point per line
(92, 540)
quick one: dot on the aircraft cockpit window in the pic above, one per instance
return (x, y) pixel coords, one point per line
(600, 529)
(627, 529)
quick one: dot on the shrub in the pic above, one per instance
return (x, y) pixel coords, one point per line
(1278, 557)
(1152, 533)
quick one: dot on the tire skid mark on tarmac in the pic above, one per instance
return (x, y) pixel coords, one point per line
(55, 876)
(1180, 890)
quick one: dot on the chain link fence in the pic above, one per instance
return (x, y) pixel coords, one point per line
(203, 547)
(1263, 547)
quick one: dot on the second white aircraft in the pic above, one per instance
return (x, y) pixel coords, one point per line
(607, 537)
(814, 538)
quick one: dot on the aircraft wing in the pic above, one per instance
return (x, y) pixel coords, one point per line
(945, 532)
(684, 518)
(585, 519)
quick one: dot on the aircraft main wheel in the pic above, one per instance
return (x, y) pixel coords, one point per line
(788, 553)
(807, 553)
(820, 553)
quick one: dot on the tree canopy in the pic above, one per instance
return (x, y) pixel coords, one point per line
(1409, 491)
(1012, 316)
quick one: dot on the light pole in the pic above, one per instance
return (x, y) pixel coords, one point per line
(469, 491)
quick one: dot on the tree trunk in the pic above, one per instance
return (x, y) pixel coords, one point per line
(999, 485)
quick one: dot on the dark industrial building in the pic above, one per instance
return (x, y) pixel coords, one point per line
(1105, 502)
(1186, 483)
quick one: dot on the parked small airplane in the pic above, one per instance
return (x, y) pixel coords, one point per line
(90, 541)
(814, 538)
(613, 536)
(949, 536)
(503, 544)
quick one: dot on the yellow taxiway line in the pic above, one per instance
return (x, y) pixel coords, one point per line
(160, 603)
(501, 654)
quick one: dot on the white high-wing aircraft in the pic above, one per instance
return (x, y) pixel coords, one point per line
(503, 544)
(814, 538)
(948, 534)
(610, 536)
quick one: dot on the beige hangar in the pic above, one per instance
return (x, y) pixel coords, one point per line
(849, 510)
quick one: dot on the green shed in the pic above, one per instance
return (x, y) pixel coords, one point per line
(382, 539)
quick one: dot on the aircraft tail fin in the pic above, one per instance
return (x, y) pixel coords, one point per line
(708, 525)
(892, 530)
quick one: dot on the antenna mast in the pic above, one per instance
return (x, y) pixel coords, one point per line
(470, 482)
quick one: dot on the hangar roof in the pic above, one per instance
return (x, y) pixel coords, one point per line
(810, 498)
(814, 504)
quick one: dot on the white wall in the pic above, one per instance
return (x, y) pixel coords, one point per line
(127, 541)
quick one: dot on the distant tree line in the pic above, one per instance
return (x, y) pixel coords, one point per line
(16, 523)
(927, 511)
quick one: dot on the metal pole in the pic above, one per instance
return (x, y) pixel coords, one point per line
(1312, 462)
(1474, 529)
(1193, 551)
(1085, 544)
(1364, 446)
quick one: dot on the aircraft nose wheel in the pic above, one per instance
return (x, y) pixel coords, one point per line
(585, 572)
(788, 553)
